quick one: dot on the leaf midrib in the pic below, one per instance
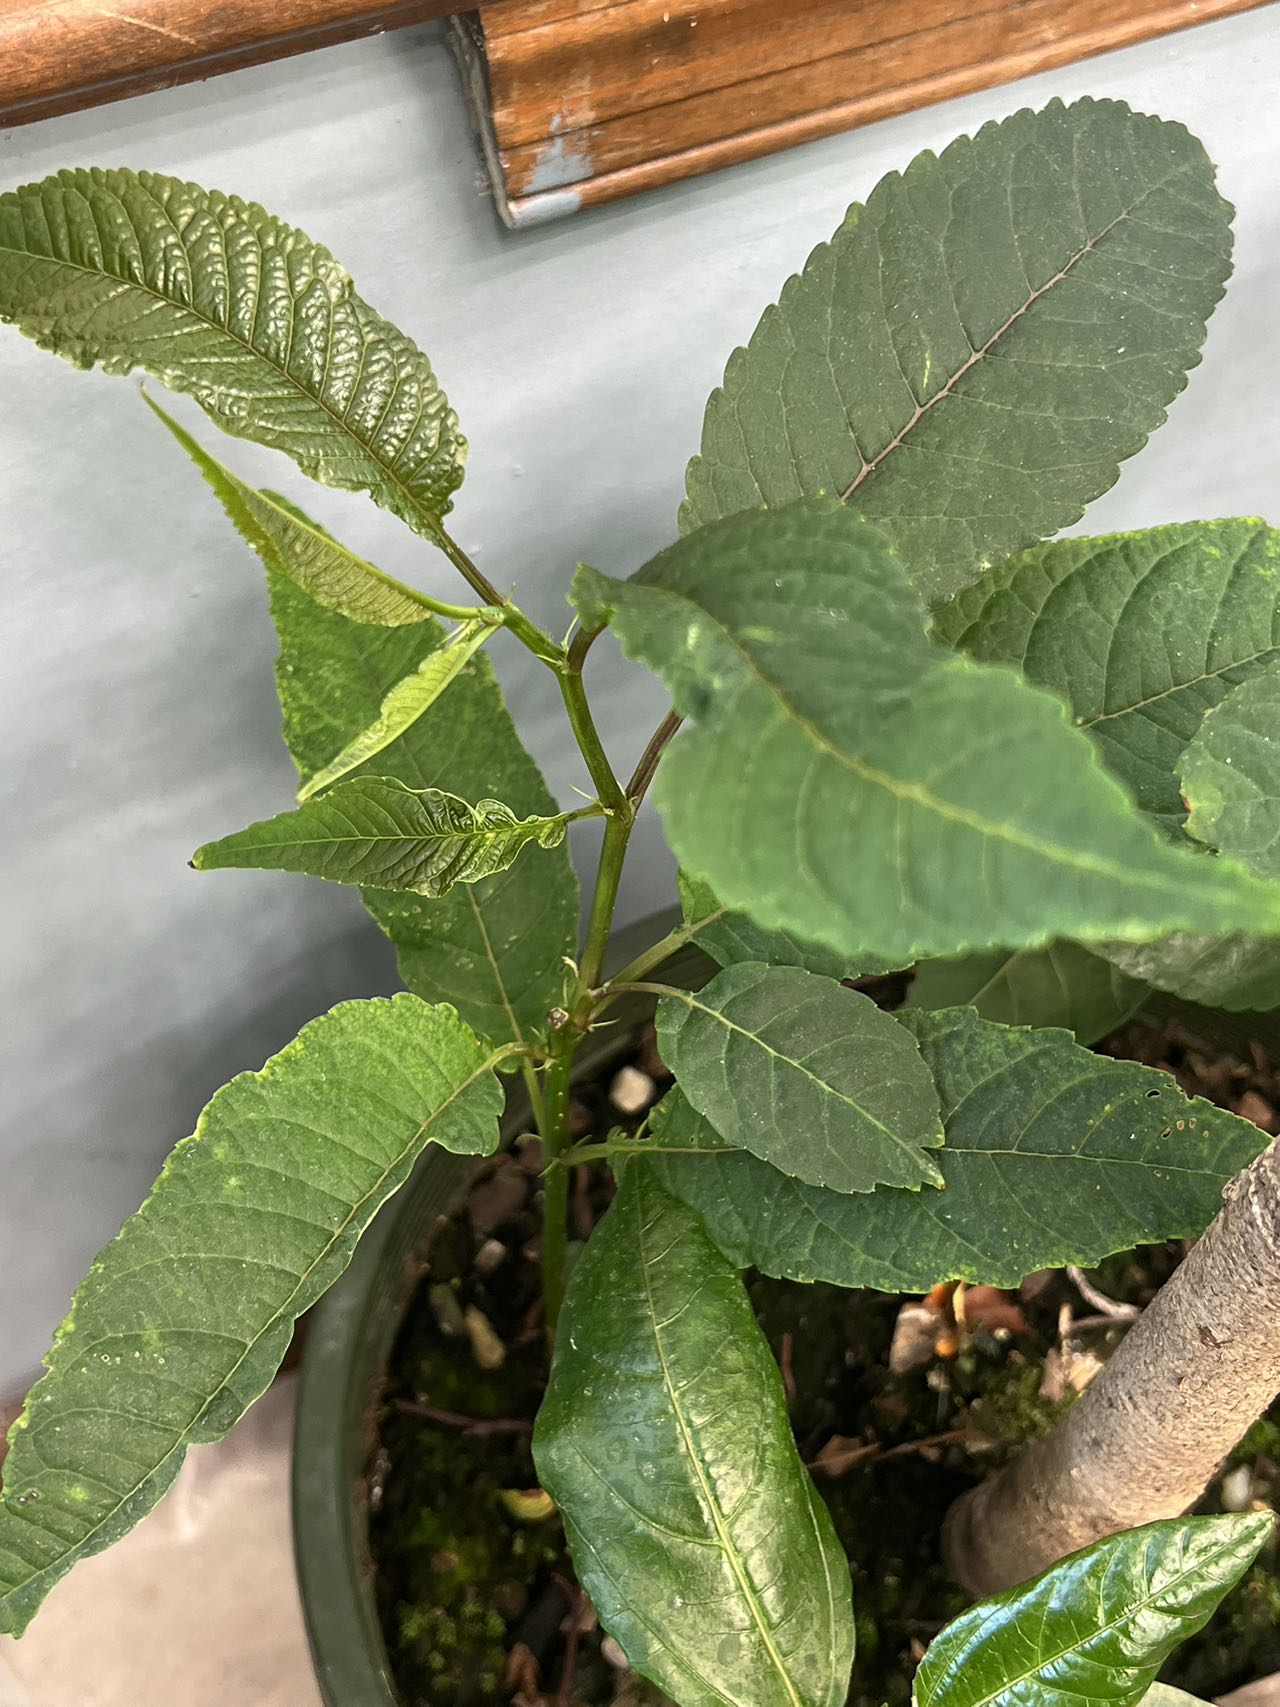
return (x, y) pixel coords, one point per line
(727, 1545)
(183, 1442)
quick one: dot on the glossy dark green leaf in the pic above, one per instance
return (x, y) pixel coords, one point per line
(494, 948)
(976, 350)
(1053, 1155)
(730, 938)
(291, 545)
(1063, 984)
(186, 1314)
(664, 1440)
(841, 779)
(375, 832)
(805, 1074)
(1097, 1627)
(1140, 633)
(244, 313)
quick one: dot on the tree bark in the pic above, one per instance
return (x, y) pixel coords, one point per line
(1197, 1369)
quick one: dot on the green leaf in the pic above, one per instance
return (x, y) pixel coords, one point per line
(247, 315)
(976, 350)
(730, 938)
(843, 780)
(1140, 633)
(185, 1316)
(1231, 781)
(1098, 1626)
(376, 832)
(404, 705)
(1062, 984)
(1053, 1155)
(664, 1440)
(494, 948)
(1231, 776)
(805, 1074)
(291, 545)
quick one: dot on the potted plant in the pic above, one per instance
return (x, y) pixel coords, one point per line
(905, 733)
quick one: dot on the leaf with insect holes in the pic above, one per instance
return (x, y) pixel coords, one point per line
(219, 299)
(375, 832)
(1098, 1626)
(976, 351)
(805, 1074)
(1053, 1155)
(185, 1316)
(842, 779)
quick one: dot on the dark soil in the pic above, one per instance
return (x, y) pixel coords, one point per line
(475, 1588)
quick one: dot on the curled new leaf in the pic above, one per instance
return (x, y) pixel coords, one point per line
(186, 1314)
(664, 1440)
(377, 833)
(218, 299)
(976, 350)
(404, 704)
(1095, 1628)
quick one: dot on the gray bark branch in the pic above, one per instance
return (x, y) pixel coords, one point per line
(1189, 1379)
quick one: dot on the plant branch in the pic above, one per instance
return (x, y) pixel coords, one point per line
(642, 776)
(661, 950)
(528, 633)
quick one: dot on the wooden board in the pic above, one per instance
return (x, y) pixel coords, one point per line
(582, 101)
(60, 55)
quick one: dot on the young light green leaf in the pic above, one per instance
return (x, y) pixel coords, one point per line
(494, 948)
(1095, 1628)
(730, 938)
(224, 302)
(1053, 1155)
(404, 705)
(664, 1440)
(375, 832)
(1062, 984)
(291, 545)
(186, 1314)
(1231, 776)
(976, 350)
(841, 779)
(1140, 633)
(805, 1074)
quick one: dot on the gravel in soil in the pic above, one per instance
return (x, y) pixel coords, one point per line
(898, 1406)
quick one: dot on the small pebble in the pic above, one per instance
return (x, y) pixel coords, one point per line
(915, 1338)
(487, 1349)
(529, 1153)
(1237, 1488)
(528, 1505)
(1256, 1108)
(499, 1198)
(631, 1091)
(447, 1311)
(613, 1655)
(491, 1256)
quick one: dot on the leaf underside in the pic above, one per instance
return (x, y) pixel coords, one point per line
(1053, 1155)
(186, 1314)
(842, 779)
(494, 948)
(664, 1440)
(373, 831)
(1063, 985)
(1096, 1627)
(224, 302)
(805, 1074)
(974, 353)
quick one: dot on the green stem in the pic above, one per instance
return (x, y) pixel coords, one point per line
(555, 1185)
(528, 633)
(662, 950)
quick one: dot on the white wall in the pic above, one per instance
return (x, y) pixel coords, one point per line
(136, 701)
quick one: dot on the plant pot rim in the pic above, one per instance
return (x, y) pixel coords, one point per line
(348, 1344)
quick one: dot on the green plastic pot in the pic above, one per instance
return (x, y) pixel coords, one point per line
(349, 1342)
